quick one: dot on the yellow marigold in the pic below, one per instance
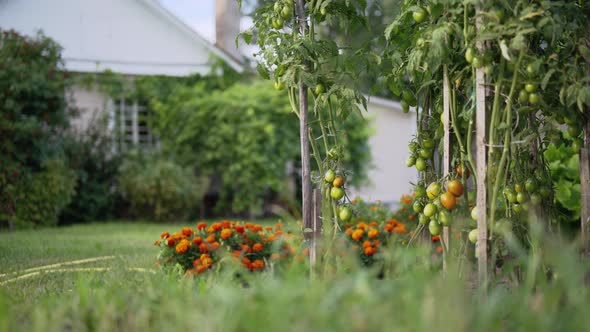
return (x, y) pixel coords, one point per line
(373, 233)
(182, 246)
(226, 233)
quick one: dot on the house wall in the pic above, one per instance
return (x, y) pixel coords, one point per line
(135, 37)
(389, 177)
(90, 105)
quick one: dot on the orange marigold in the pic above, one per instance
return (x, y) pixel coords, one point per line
(369, 251)
(182, 246)
(203, 248)
(225, 224)
(240, 229)
(373, 224)
(270, 238)
(258, 264)
(366, 244)
(362, 225)
(201, 268)
(186, 231)
(278, 225)
(407, 199)
(165, 235)
(305, 252)
(400, 229)
(170, 242)
(216, 226)
(245, 248)
(357, 234)
(210, 238)
(348, 231)
(206, 262)
(373, 233)
(279, 232)
(201, 225)
(256, 228)
(157, 243)
(257, 247)
(197, 240)
(226, 233)
(439, 249)
(388, 228)
(215, 245)
(237, 253)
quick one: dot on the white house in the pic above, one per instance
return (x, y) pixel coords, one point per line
(129, 37)
(392, 130)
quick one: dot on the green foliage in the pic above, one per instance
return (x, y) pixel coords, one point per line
(564, 164)
(244, 136)
(32, 85)
(90, 155)
(158, 188)
(41, 196)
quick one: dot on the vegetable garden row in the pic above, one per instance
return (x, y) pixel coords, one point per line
(495, 85)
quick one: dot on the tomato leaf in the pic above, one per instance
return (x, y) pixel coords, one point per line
(505, 50)
(263, 71)
(584, 51)
(546, 78)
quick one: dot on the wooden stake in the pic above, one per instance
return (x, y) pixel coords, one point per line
(304, 130)
(316, 226)
(585, 186)
(446, 154)
(480, 146)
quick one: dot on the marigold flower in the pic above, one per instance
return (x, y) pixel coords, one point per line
(388, 228)
(216, 226)
(182, 246)
(203, 248)
(366, 244)
(439, 249)
(245, 248)
(240, 229)
(258, 247)
(376, 243)
(407, 199)
(249, 225)
(256, 228)
(201, 268)
(362, 225)
(246, 262)
(400, 229)
(357, 234)
(171, 242)
(177, 236)
(279, 232)
(207, 262)
(278, 225)
(305, 252)
(348, 231)
(186, 231)
(373, 233)
(369, 251)
(225, 224)
(157, 243)
(201, 225)
(374, 208)
(354, 201)
(215, 245)
(275, 256)
(270, 238)
(373, 224)
(210, 238)
(258, 264)
(165, 235)
(237, 253)
(197, 240)
(226, 233)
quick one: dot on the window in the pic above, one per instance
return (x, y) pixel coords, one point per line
(130, 123)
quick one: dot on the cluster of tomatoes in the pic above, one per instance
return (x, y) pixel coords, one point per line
(336, 183)
(434, 205)
(421, 150)
(283, 10)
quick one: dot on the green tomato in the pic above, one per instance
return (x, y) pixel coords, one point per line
(428, 143)
(277, 7)
(517, 208)
(286, 12)
(422, 219)
(530, 185)
(419, 190)
(488, 70)
(433, 190)
(413, 146)
(474, 213)
(329, 176)
(530, 87)
(473, 236)
(429, 210)
(523, 96)
(577, 145)
(345, 214)
(333, 154)
(530, 69)
(521, 197)
(444, 217)
(425, 153)
(534, 98)
(544, 192)
(434, 227)
(417, 207)
(477, 62)
(405, 106)
(337, 193)
(469, 54)
(573, 131)
(419, 15)
(319, 89)
(411, 161)
(323, 11)
(536, 199)
(420, 164)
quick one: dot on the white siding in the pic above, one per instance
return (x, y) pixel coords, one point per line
(127, 36)
(91, 105)
(389, 177)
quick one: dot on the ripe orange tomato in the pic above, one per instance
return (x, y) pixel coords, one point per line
(459, 170)
(338, 182)
(455, 187)
(448, 200)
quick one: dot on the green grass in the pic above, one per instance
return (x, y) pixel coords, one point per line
(414, 296)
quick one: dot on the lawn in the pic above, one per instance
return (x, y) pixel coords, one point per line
(342, 297)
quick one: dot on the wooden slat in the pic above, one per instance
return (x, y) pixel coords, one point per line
(446, 153)
(480, 146)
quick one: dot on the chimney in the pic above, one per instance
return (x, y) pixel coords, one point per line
(227, 26)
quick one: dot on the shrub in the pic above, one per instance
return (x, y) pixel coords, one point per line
(158, 188)
(90, 155)
(33, 116)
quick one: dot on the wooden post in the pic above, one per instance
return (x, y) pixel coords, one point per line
(446, 153)
(480, 146)
(304, 130)
(585, 186)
